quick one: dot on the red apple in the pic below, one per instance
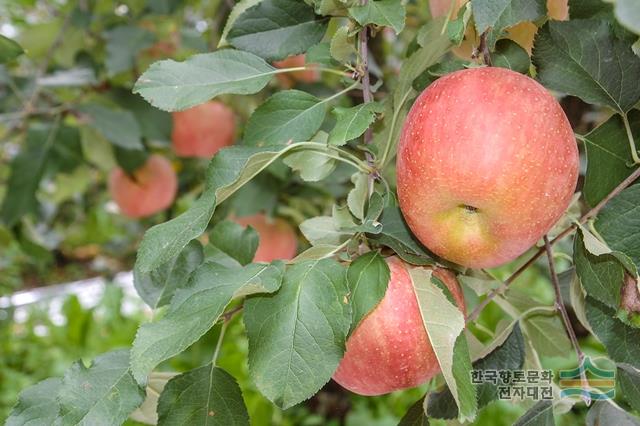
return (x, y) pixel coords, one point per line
(277, 238)
(153, 188)
(287, 80)
(202, 130)
(487, 164)
(390, 349)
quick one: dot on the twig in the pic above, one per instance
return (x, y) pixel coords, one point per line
(591, 213)
(484, 48)
(228, 316)
(565, 316)
(367, 96)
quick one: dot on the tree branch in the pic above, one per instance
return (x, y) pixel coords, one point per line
(565, 316)
(591, 213)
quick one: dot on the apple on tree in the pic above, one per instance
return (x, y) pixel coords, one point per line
(203, 130)
(277, 238)
(150, 189)
(487, 163)
(390, 349)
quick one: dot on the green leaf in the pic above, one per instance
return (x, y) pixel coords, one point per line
(434, 45)
(342, 47)
(322, 230)
(174, 86)
(541, 414)
(351, 123)
(384, 13)
(147, 412)
(275, 29)
(507, 356)
(605, 413)
(359, 195)
(238, 9)
(311, 164)
(619, 223)
(123, 45)
(104, 394)
(9, 50)
(118, 126)
(445, 323)
(436, 71)
(397, 236)
(320, 54)
(608, 156)
(584, 9)
(564, 60)
(205, 396)
(621, 341)
(195, 309)
(229, 169)
(501, 14)
(544, 330)
(629, 381)
(601, 276)
(509, 54)
(157, 287)
(627, 12)
(297, 336)
(415, 416)
(289, 115)
(27, 170)
(37, 404)
(367, 278)
(235, 241)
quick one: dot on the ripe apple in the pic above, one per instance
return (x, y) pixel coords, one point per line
(152, 189)
(287, 80)
(202, 130)
(390, 349)
(487, 163)
(277, 238)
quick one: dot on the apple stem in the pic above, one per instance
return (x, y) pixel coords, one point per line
(588, 215)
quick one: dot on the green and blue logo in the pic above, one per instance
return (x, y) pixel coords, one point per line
(597, 384)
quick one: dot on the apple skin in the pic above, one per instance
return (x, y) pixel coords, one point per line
(277, 238)
(153, 190)
(390, 349)
(203, 130)
(487, 163)
(288, 80)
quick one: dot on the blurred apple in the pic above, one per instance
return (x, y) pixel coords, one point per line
(202, 130)
(151, 189)
(277, 238)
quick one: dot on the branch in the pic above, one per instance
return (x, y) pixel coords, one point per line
(484, 48)
(591, 213)
(228, 316)
(565, 317)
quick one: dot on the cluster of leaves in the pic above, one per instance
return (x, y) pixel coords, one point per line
(298, 315)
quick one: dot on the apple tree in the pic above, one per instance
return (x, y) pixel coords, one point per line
(421, 151)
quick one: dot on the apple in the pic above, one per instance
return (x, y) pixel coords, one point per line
(152, 188)
(390, 349)
(203, 130)
(287, 80)
(277, 238)
(487, 163)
